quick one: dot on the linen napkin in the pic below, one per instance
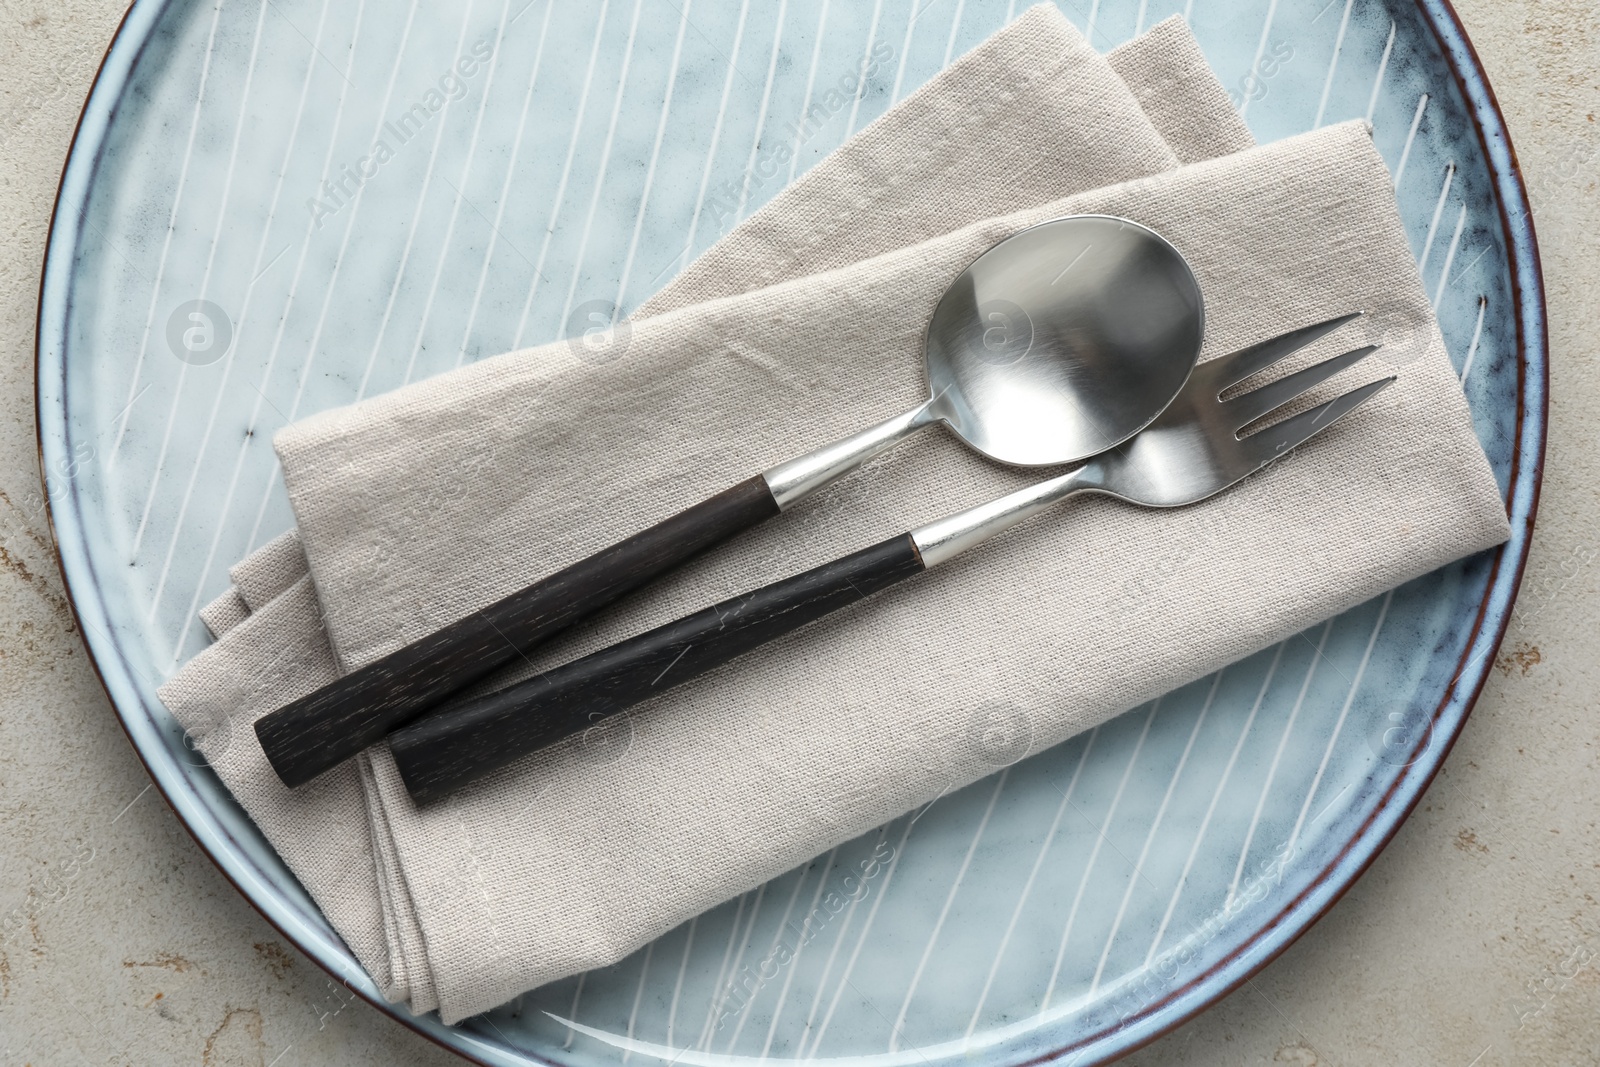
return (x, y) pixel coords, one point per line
(731, 760)
(257, 579)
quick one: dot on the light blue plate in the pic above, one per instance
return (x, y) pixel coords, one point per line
(203, 287)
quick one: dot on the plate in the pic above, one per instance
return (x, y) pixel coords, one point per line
(1079, 904)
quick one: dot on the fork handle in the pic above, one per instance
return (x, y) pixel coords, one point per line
(445, 751)
(452, 748)
(320, 730)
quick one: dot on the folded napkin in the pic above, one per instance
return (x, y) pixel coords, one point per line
(561, 863)
(257, 579)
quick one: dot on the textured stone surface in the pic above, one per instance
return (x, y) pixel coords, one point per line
(121, 943)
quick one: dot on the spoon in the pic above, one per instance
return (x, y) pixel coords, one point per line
(1057, 344)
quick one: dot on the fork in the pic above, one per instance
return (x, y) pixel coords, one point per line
(1194, 450)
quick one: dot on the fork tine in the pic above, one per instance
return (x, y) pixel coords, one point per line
(1230, 370)
(1264, 447)
(1248, 407)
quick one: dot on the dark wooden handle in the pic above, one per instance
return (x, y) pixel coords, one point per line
(324, 728)
(448, 749)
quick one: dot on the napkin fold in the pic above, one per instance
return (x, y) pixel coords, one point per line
(572, 858)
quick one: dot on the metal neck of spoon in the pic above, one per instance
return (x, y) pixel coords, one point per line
(944, 538)
(797, 479)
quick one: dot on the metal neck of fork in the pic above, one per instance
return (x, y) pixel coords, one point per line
(948, 537)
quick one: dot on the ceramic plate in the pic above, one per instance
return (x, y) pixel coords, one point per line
(203, 287)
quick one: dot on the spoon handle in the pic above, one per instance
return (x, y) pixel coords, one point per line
(446, 750)
(323, 728)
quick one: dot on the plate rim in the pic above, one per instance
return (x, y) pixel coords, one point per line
(1176, 1006)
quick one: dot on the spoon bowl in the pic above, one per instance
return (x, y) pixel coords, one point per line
(1064, 340)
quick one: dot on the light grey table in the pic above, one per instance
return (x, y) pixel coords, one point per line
(131, 948)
